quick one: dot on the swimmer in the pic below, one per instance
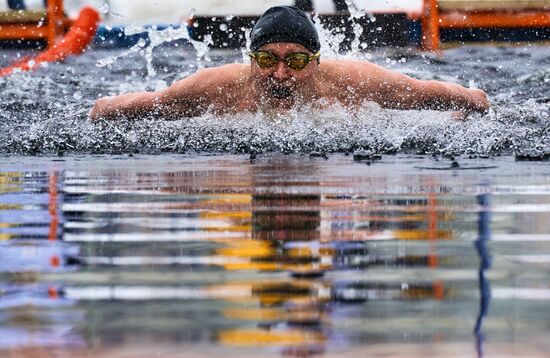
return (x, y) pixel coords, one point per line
(286, 71)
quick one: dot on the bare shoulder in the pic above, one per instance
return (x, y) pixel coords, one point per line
(348, 68)
(352, 81)
(350, 72)
(210, 79)
(229, 74)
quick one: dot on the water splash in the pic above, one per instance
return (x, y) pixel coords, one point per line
(355, 16)
(104, 7)
(539, 76)
(300, 131)
(244, 50)
(330, 43)
(155, 38)
(107, 61)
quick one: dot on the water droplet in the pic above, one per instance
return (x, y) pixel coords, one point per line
(77, 95)
(223, 27)
(141, 42)
(104, 7)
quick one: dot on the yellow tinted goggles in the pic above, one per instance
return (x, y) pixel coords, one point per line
(296, 61)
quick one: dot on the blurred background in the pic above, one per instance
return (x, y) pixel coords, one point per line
(377, 23)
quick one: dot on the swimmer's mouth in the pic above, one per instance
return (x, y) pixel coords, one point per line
(281, 92)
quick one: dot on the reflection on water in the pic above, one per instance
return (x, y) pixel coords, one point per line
(284, 255)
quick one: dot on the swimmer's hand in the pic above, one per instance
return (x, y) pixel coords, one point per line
(480, 103)
(99, 110)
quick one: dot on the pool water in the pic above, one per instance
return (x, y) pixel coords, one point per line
(296, 255)
(46, 112)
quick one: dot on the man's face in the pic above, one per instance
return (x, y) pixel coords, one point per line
(280, 86)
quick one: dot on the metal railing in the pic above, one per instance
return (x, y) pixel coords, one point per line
(455, 14)
(32, 25)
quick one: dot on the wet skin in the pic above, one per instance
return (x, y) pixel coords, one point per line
(247, 87)
(280, 86)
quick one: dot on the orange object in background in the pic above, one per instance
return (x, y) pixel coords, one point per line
(52, 209)
(435, 18)
(47, 28)
(430, 26)
(79, 36)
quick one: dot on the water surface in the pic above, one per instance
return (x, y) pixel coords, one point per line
(186, 255)
(46, 112)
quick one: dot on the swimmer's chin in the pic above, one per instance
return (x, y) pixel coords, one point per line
(281, 103)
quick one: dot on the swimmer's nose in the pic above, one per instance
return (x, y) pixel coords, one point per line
(281, 71)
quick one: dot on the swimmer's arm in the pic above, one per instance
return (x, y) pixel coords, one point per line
(130, 105)
(396, 90)
(185, 98)
(450, 97)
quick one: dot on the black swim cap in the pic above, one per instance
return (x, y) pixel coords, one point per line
(285, 24)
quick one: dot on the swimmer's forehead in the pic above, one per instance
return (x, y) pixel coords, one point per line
(284, 48)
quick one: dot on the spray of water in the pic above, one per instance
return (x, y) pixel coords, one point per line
(156, 38)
